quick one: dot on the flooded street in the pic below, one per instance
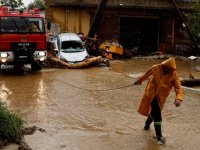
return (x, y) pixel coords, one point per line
(95, 109)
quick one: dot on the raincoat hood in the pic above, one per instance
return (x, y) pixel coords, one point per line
(170, 63)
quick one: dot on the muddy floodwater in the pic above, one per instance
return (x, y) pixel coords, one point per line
(95, 109)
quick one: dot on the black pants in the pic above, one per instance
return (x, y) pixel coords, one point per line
(155, 113)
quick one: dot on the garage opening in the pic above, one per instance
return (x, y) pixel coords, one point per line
(140, 35)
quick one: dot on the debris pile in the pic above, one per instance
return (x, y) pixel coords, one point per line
(53, 62)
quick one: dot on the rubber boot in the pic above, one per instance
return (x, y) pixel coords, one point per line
(160, 139)
(147, 123)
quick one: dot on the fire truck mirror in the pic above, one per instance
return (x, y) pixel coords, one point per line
(48, 25)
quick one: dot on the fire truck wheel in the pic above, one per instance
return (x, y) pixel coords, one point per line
(19, 68)
(35, 66)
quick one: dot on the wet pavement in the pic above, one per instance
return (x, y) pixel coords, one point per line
(96, 109)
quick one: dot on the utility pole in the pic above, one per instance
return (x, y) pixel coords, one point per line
(97, 19)
(185, 24)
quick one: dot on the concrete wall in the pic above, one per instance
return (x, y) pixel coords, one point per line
(71, 20)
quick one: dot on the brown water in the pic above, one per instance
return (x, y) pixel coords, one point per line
(80, 111)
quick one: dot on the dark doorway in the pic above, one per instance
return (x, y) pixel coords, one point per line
(139, 34)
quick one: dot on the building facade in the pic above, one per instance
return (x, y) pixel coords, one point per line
(140, 25)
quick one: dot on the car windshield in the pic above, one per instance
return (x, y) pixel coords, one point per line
(72, 46)
(21, 25)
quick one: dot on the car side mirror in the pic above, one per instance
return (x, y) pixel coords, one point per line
(56, 51)
(48, 25)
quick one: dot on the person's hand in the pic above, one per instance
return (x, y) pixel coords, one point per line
(137, 83)
(177, 102)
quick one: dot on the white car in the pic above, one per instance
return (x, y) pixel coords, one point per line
(69, 47)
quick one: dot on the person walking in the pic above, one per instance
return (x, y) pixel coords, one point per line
(162, 77)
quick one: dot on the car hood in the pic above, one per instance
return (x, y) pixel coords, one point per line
(73, 57)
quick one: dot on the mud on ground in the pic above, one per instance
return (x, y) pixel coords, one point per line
(79, 108)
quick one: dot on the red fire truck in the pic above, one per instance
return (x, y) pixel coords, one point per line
(22, 38)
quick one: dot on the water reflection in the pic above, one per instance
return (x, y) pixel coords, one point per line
(4, 93)
(23, 91)
(41, 97)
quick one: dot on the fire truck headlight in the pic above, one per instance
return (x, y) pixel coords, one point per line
(3, 60)
(4, 55)
(41, 54)
(42, 59)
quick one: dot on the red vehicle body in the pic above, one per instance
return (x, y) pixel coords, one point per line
(22, 38)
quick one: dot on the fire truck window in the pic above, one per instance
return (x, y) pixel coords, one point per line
(7, 25)
(36, 24)
(34, 28)
(21, 24)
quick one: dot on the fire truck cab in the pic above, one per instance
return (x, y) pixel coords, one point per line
(22, 38)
